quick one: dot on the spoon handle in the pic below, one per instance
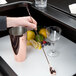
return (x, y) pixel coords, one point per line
(46, 57)
(30, 17)
(50, 68)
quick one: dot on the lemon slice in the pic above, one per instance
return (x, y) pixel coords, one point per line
(39, 45)
(36, 44)
(29, 43)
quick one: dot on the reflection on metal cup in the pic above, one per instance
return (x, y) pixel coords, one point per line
(18, 42)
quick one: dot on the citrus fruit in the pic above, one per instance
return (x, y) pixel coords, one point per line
(43, 32)
(39, 38)
(36, 44)
(28, 43)
(39, 45)
(30, 35)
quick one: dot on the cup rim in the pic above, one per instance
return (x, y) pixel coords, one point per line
(60, 30)
(17, 31)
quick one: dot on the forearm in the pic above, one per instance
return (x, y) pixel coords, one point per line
(12, 22)
(21, 21)
(6, 22)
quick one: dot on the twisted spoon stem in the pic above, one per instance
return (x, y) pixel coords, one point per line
(50, 68)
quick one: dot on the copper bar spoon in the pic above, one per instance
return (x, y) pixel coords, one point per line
(30, 17)
(50, 68)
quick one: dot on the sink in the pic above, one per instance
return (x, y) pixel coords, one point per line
(2, 72)
(5, 69)
(18, 9)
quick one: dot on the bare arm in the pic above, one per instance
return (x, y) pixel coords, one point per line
(21, 21)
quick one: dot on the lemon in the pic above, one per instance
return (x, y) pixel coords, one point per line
(43, 32)
(39, 38)
(29, 43)
(35, 44)
(30, 35)
(39, 45)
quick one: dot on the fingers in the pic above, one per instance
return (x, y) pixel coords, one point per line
(32, 22)
(31, 25)
(26, 21)
(35, 23)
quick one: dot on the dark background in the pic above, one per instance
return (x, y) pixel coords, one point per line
(62, 4)
(49, 18)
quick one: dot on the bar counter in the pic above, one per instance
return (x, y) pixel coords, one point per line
(36, 64)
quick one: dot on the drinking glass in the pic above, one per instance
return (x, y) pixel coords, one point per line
(41, 3)
(53, 35)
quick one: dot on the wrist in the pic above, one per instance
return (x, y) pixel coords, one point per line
(11, 22)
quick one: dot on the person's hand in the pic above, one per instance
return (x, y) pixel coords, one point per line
(22, 21)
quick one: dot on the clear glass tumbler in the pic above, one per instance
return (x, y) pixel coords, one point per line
(41, 3)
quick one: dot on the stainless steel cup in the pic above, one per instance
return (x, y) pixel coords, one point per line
(18, 42)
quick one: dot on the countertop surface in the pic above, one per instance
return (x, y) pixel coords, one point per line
(36, 64)
(62, 4)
